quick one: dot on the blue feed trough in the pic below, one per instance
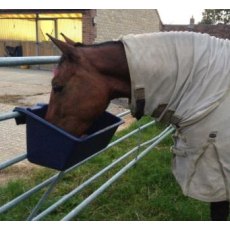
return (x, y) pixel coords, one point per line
(52, 147)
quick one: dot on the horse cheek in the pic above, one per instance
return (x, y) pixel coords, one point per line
(53, 108)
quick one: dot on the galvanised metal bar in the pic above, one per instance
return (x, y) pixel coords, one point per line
(30, 192)
(26, 195)
(124, 113)
(17, 61)
(12, 161)
(130, 134)
(116, 176)
(3, 117)
(45, 195)
(9, 115)
(94, 177)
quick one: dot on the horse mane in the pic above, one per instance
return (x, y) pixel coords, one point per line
(95, 45)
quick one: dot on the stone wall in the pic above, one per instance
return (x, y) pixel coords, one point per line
(110, 24)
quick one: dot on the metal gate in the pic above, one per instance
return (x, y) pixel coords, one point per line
(51, 182)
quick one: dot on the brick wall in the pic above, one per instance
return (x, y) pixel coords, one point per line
(219, 30)
(88, 27)
(111, 24)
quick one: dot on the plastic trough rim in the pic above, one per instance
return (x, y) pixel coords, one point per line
(26, 111)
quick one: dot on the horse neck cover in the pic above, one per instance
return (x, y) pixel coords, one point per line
(183, 78)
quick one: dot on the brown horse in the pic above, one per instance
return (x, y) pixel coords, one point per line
(86, 79)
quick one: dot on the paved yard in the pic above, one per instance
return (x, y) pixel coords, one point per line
(25, 87)
(19, 87)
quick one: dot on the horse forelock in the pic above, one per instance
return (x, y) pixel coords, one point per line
(62, 60)
(65, 64)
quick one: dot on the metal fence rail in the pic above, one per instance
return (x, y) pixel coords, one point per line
(51, 182)
(17, 61)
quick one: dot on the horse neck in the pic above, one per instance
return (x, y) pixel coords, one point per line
(110, 61)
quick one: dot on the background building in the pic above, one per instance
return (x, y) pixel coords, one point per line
(23, 32)
(218, 30)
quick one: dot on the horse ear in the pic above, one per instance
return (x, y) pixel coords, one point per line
(64, 47)
(68, 40)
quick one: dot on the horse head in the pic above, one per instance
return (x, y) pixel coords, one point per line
(81, 87)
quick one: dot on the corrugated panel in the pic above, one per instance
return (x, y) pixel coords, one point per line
(72, 28)
(25, 29)
(44, 27)
(16, 29)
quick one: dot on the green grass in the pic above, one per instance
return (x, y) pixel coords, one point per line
(148, 191)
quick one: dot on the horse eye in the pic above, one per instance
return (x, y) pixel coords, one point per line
(57, 88)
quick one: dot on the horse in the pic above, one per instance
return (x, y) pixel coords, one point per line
(88, 77)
